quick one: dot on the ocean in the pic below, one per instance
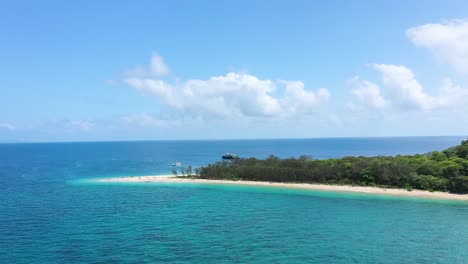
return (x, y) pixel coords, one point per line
(51, 211)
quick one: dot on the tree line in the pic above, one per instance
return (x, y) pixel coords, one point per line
(436, 171)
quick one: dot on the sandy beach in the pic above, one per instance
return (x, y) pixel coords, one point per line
(322, 187)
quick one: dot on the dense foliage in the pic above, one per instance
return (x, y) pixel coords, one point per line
(437, 171)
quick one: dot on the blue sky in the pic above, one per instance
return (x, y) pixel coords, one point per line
(108, 70)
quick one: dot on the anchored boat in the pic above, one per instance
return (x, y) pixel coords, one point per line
(230, 156)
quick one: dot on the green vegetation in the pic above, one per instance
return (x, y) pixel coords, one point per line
(187, 172)
(435, 171)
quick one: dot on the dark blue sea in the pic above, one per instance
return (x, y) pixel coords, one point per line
(51, 213)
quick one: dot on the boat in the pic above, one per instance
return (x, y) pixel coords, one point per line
(177, 164)
(230, 156)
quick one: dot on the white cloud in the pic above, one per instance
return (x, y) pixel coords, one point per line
(157, 68)
(147, 121)
(452, 94)
(447, 41)
(298, 100)
(233, 95)
(404, 89)
(7, 126)
(400, 90)
(367, 93)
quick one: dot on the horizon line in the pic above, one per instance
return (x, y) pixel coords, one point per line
(223, 139)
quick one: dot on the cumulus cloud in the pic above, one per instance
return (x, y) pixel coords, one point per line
(367, 93)
(157, 68)
(448, 41)
(401, 90)
(298, 100)
(452, 94)
(404, 89)
(7, 126)
(232, 95)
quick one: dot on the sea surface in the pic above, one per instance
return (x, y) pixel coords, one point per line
(51, 211)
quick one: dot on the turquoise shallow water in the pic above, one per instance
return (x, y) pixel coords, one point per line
(51, 213)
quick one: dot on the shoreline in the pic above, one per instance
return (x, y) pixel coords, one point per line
(305, 186)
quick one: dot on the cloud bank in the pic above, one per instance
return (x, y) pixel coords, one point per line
(230, 95)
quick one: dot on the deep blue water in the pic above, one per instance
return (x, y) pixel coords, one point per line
(49, 213)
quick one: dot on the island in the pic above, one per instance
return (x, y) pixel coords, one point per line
(438, 174)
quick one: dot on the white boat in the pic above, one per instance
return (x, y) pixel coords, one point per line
(230, 156)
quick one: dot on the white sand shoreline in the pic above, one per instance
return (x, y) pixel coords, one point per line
(308, 186)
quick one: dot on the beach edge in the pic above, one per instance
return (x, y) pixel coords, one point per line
(304, 186)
